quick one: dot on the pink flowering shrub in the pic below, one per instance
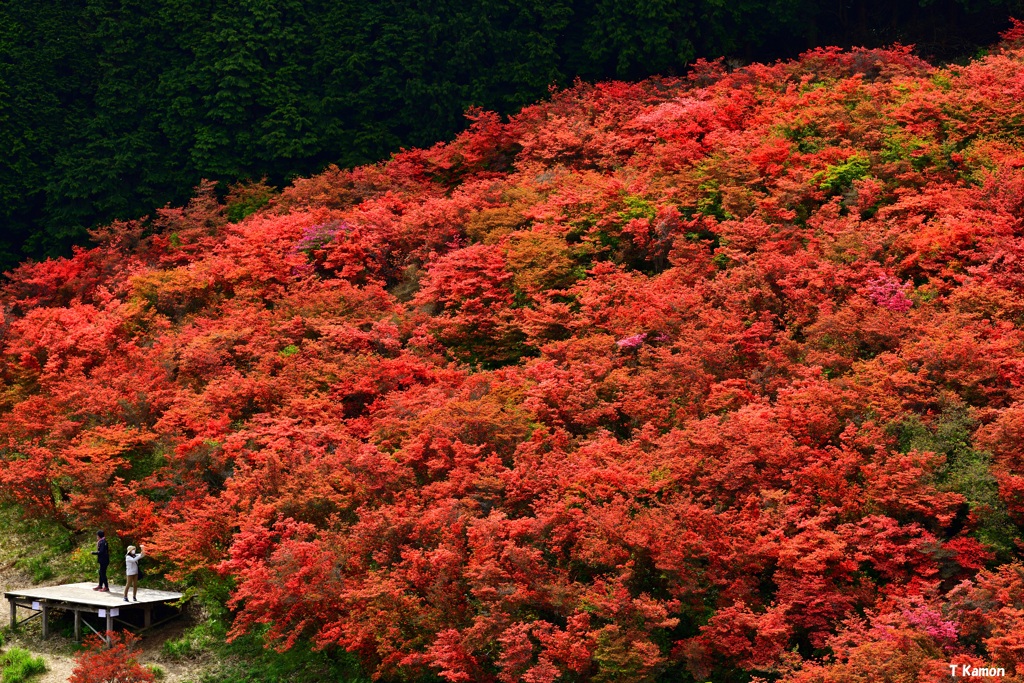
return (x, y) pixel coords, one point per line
(931, 622)
(890, 293)
(632, 342)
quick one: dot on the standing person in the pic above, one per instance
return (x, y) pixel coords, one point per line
(102, 554)
(131, 571)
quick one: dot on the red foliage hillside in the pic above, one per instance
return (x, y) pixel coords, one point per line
(704, 378)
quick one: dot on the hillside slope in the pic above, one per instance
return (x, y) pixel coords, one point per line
(695, 379)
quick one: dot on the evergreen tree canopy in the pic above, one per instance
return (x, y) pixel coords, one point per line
(111, 108)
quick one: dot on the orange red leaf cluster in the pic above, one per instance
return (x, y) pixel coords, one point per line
(701, 378)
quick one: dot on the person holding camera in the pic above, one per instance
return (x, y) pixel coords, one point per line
(131, 571)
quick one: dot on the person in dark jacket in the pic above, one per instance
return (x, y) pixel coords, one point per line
(102, 554)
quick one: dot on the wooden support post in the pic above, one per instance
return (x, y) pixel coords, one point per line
(110, 624)
(14, 613)
(78, 625)
(147, 617)
(46, 620)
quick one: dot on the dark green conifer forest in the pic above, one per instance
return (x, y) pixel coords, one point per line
(111, 108)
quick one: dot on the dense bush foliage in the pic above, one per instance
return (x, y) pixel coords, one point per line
(687, 379)
(109, 109)
(113, 662)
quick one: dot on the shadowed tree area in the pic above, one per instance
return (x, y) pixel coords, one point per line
(111, 108)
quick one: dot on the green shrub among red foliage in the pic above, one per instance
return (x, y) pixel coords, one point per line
(686, 379)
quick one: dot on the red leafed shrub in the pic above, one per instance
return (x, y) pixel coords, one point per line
(718, 377)
(99, 663)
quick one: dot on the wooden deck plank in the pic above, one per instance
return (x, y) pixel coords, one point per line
(83, 594)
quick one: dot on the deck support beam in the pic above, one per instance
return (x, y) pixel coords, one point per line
(88, 605)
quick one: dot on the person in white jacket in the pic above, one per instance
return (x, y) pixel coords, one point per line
(131, 570)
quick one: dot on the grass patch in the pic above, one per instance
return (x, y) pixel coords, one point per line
(37, 566)
(19, 665)
(196, 640)
(247, 661)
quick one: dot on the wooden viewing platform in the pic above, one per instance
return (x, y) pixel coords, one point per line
(81, 599)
